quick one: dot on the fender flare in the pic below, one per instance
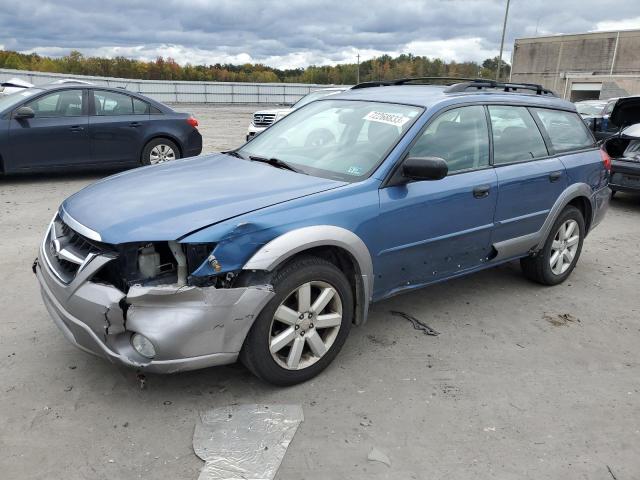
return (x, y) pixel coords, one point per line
(534, 242)
(295, 241)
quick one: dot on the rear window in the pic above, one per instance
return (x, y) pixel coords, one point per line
(565, 129)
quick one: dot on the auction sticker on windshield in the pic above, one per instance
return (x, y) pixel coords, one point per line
(388, 118)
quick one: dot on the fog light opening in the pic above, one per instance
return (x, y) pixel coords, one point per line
(143, 345)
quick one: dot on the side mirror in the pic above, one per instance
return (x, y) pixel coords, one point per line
(425, 168)
(23, 113)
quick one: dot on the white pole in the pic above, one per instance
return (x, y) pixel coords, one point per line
(504, 28)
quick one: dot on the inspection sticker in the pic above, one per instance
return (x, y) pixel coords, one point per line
(388, 118)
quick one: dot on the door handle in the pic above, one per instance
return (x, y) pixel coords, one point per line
(481, 191)
(76, 128)
(135, 124)
(555, 176)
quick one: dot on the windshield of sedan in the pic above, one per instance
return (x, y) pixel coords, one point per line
(339, 139)
(13, 99)
(590, 108)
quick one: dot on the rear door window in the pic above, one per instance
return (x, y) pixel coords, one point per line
(565, 129)
(516, 137)
(140, 107)
(112, 103)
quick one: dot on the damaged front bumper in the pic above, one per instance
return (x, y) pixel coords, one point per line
(190, 327)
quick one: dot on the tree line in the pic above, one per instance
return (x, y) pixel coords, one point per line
(380, 68)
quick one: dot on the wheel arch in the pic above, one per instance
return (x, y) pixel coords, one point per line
(164, 135)
(583, 204)
(577, 194)
(335, 244)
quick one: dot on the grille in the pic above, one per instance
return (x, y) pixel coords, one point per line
(263, 119)
(67, 250)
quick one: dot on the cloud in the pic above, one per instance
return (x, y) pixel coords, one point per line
(624, 24)
(293, 33)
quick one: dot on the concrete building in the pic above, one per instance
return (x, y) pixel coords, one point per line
(583, 66)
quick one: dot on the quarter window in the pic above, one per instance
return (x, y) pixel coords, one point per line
(64, 103)
(459, 136)
(565, 129)
(112, 103)
(516, 137)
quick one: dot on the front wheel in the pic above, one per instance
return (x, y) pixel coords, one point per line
(303, 327)
(159, 150)
(557, 259)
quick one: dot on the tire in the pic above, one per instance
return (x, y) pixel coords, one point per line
(613, 193)
(159, 150)
(539, 268)
(298, 334)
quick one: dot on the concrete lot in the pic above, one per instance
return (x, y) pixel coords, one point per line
(523, 381)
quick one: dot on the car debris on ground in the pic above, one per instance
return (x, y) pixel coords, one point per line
(245, 441)
(417, 324)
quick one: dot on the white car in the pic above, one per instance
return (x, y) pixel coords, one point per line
(264, 118)
(13, 85)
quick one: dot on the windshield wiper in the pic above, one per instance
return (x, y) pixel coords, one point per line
(275, 162)
(234, 153)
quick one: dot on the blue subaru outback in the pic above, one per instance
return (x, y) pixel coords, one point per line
(271, 252)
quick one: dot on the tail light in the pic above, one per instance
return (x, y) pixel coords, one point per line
(606, 159)
(193, 122)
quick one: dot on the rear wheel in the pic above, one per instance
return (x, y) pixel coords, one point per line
(557, 259)
(304, 326)
(159, 150)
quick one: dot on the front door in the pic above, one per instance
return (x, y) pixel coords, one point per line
(434, 229)
(56, 136)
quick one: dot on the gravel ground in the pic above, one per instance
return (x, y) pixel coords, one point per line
(523, 381)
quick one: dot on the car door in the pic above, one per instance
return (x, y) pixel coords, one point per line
(529, 180)
(56, 136)
(117, 123)
(434, 229)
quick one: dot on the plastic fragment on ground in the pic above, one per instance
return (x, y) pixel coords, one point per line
(245, 441)
(376, 455)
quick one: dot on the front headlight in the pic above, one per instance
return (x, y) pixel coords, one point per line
(280, 115)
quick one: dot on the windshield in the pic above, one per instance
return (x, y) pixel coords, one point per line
(590, 108)
(314, 96)
(9, 101)
(339, 139)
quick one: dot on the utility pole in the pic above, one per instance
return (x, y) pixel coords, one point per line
(358, 71)
(504, 29)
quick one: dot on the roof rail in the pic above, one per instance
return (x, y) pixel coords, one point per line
(457, 84)
(482, 84)
(404, 81)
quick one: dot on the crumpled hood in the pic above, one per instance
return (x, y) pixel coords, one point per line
(168, 201)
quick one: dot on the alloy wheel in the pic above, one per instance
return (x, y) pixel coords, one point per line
(305, 325)
(564, 247)
(161, 153)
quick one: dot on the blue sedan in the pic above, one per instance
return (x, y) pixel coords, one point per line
(63, 126)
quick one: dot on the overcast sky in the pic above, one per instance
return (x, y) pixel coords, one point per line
(295, 33)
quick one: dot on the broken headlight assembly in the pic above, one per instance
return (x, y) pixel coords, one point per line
(157, 263)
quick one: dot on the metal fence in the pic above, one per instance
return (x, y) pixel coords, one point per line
(170, 91)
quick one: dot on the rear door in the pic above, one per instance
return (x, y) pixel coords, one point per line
(117, 125)
(434, 229)
(529, 179)
(56, 136)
